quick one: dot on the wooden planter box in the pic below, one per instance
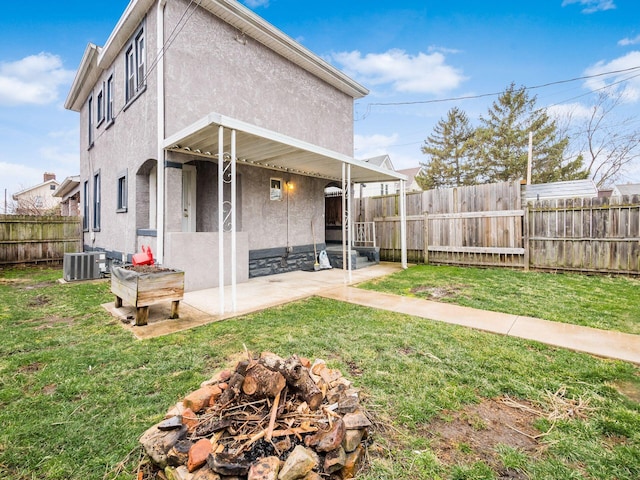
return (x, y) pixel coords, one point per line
(142, 289)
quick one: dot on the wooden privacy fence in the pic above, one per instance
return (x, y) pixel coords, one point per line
(31, 239)
(487, 225)
(590, 235)
(477, 225)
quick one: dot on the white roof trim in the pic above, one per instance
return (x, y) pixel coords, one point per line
(86, 77)
(230, 11)
(260, 147)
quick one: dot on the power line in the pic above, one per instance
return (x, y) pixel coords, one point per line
(483, 95)
(593, 91)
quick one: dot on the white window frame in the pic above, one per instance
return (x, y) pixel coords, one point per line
(85, 206)
(121, 192)
(109, 100)
(90, 120)
(135, 65)
(96, 201)
(275, 189)
(100, 106)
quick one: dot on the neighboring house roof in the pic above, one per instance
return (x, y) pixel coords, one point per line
(383, 161)
(627, 189)
(411, 173)
(16, 196)
(569, 189)
(96, 59)
(68, 187)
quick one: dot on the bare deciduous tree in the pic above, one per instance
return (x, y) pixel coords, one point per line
(608, 145)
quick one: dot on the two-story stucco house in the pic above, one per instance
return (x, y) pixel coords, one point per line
(211, 136)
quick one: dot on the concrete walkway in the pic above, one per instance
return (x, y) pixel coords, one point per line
(202, 307)
(603, 343)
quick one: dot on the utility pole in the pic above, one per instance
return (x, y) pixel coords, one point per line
(530, 158)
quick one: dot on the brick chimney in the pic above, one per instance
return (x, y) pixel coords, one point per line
(49, 176)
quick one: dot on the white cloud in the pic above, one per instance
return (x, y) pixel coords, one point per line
(16, 177)
(62, 149)
(256, 3)
(569, 111)
(629, 41)
(367, 146)
(435, 48)
(421, 73)
(592, 6)
(629, 86)
(34, 80)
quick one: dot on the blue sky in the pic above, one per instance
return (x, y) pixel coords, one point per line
(403, 51)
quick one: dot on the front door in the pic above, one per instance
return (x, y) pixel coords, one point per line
(188, 198)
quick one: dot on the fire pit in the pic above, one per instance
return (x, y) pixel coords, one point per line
(270, 418)
(145, 285)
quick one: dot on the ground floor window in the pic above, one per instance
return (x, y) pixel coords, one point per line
(122, 192)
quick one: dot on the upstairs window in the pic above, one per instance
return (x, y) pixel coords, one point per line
(109, 101)
(140, 58)
(90, 122)
(135, 60)
(100, 107)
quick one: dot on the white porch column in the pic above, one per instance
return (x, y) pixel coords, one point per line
(160, 213)
(403, 223)
(221, 218)
(343, 219)
(234, 261)
(349, 221)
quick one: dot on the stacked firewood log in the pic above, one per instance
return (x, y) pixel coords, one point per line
(269, 419)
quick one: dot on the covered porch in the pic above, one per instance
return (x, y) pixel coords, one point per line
(220, 255)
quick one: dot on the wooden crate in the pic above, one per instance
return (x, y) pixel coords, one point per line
(144, 289)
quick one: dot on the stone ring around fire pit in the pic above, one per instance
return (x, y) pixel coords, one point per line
(269, 419)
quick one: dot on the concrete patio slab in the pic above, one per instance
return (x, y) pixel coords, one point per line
(202, 307)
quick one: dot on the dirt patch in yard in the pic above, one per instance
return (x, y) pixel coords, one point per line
(437, 293)
(31, 368)
(52, 321)
(39, 301)
(629, 389)
(474, 433)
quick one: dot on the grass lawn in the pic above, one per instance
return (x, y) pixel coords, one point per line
(77, 391)
(609, 303)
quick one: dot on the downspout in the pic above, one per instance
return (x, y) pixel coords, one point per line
(160, 213)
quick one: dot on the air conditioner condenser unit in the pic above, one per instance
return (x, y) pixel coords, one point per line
(84, 266)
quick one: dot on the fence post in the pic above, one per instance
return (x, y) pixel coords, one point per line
(426, 238)
(525, 239)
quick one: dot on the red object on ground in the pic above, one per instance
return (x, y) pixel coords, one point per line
(144, 258)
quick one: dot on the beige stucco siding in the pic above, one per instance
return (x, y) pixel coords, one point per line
(211, 67)
(123, 145)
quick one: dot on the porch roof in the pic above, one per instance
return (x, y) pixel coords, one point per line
(265, 148)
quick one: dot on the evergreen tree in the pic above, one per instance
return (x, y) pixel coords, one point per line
(447, 148)
(501, 142)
